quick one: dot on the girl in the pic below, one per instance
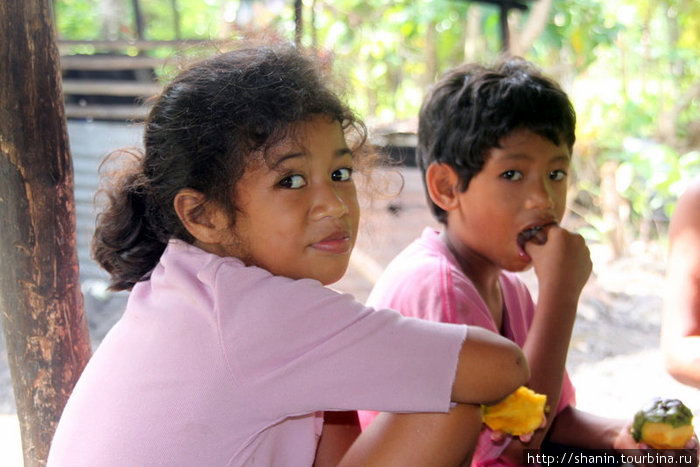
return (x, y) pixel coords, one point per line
(227, 229)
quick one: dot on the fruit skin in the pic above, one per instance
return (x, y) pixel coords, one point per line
(520, 413)
(664, 424)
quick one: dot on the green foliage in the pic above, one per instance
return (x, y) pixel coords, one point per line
(77, 19)
(652, 177)
(630, 67)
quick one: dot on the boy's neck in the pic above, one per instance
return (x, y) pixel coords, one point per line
(483, 274)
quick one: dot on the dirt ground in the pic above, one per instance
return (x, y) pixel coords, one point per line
(614, 359)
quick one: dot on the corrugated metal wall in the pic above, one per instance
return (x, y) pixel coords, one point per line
(90, 142)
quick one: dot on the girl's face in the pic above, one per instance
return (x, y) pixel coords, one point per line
(298, 212)
(521, 186)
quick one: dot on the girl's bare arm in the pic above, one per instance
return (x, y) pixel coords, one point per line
(490, 367)
(340, 430)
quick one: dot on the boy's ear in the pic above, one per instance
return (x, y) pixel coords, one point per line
(205, 221)
(442, 183)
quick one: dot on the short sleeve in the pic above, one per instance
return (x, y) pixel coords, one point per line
(300, 347)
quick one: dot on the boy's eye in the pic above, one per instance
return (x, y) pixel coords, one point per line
(293, 182)
(512, 175)
(557, 175)
(342, 175)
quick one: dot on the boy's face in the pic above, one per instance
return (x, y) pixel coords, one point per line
(521, 186)
(298, 213)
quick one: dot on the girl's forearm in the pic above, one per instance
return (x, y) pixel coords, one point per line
(340, 430)
(398, 440)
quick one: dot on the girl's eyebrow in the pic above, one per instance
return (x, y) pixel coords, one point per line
(338, 153)
(285, 158)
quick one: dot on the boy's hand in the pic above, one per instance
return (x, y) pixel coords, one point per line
(562, 261)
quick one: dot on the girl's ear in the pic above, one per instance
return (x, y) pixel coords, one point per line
(442, 183)
(205, 221)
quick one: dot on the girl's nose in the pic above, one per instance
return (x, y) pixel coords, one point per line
(328, 202)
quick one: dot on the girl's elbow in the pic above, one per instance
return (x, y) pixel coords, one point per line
(515, 371)
(491, 367)
(520, 367)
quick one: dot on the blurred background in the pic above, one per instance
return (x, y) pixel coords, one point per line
(631, 68)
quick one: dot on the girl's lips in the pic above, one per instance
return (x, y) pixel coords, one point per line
(338, 244)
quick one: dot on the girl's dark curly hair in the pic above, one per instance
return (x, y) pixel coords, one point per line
(472, 107)
(202, 133)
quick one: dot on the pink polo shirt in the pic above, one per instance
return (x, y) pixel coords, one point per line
(425, 281)
(219, 364)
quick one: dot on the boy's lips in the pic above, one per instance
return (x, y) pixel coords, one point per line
(536, 233)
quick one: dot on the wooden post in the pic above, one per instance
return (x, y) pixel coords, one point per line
(298, 21)
(40, 301)
(138, 19)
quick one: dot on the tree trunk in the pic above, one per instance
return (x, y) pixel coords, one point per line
(430, 54)
(42, 309)
(298, 21)
(613, 207)
(138, 19)
(522, 39)
(176, 19)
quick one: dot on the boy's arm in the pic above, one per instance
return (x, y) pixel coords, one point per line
(562, 266)
(573, 427)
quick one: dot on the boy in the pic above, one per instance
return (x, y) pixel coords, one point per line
(494, 148)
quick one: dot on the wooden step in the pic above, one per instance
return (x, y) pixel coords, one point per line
(108, 112)
(112, 62)
(111, 88)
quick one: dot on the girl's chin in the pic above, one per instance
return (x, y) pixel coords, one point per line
(328, 276)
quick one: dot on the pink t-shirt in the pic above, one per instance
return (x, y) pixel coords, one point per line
(425, 281)
(219, 364)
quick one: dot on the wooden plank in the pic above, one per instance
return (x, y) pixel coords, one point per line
(113, 62)
(143, 45)
(111, 88)
(108, 112)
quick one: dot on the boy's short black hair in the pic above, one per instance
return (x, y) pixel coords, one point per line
(472, 107)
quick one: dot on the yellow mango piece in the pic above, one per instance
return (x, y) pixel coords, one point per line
(520, 413)
(665, 436)
(663, 424)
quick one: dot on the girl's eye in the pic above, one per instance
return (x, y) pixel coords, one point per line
(512, 175)
(342, 175)
(293, 182)
(557, 175)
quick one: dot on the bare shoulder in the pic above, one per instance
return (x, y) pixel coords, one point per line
(687, 209)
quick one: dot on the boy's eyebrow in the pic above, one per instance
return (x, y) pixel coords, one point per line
(518, 156)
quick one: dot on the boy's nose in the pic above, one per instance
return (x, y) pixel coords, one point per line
(540, 196)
